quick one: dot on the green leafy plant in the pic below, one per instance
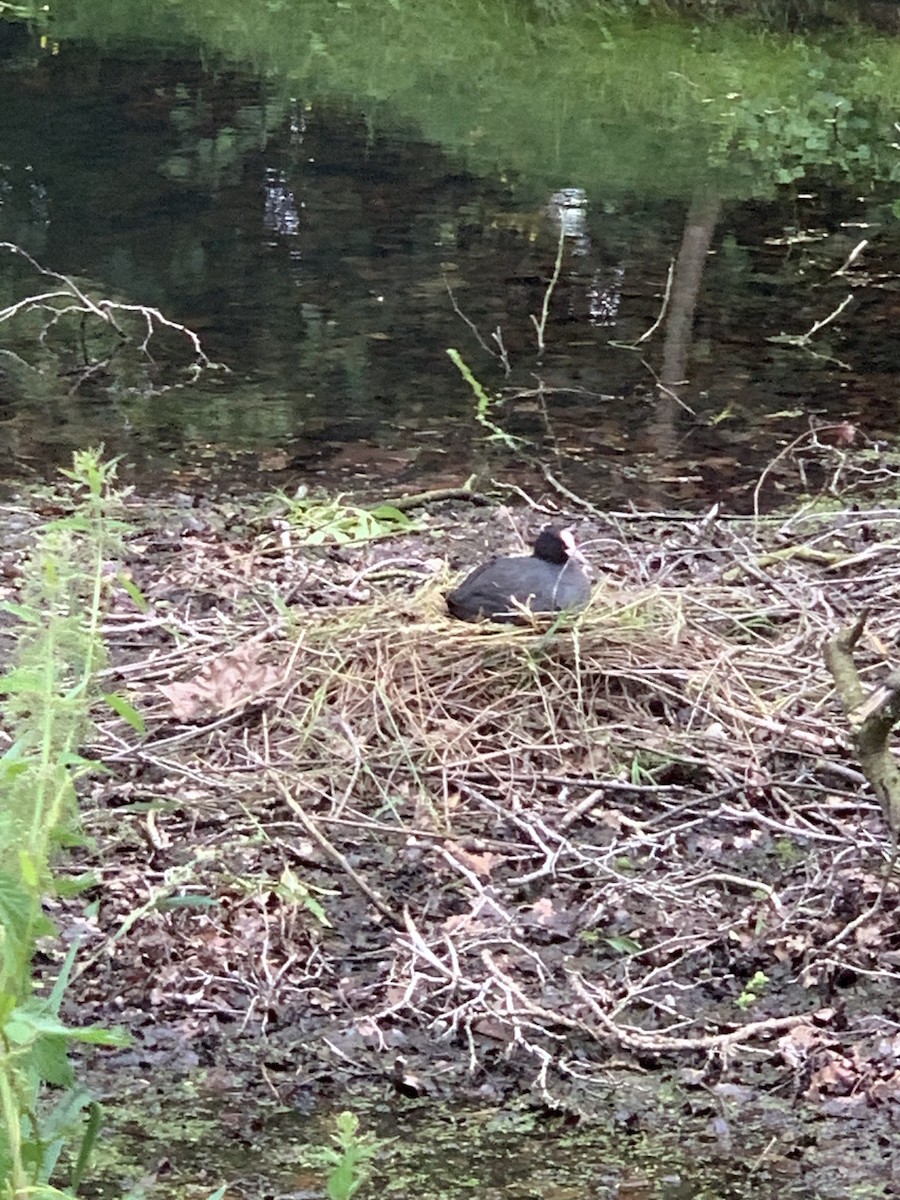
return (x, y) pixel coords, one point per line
(47, 696)
(620, 942)
(787, 852)
(318, 521)
(623, 944)
(291, 890)
(753, 989)
(350, 1157)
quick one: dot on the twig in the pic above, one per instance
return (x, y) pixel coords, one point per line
(640, 1039)
(334, 854)
(541, 326)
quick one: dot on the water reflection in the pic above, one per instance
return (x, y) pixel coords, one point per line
(325, 290)
(282, 213)
(568, 210)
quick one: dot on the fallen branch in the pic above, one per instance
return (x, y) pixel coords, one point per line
(720, 1043)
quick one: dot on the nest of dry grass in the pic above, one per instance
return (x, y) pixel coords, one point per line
(641, 829)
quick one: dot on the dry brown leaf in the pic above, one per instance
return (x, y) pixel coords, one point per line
(493, 1028)
(546, 914)
(226, 683)
(471, 924)
(836, 1077)
(884, 1090)
(480, 864)
(797, 1043)
(543, 911)
(868, 935)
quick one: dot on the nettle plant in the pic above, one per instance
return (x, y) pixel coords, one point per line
(45, 703)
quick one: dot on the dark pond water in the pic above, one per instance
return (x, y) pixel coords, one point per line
(330, 260)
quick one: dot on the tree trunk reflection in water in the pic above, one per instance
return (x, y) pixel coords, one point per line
(686, 278)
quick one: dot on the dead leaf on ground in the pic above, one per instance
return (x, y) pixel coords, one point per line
(480, 864)
(225, 684)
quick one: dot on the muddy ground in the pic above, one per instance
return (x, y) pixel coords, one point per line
(623, 870)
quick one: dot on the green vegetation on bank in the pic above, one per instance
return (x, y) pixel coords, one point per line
(47, 696)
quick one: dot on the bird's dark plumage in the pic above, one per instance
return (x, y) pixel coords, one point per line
(548, 580)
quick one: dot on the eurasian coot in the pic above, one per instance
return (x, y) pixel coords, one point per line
(549, 580)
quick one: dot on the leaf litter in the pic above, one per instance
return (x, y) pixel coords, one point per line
(359, 836)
